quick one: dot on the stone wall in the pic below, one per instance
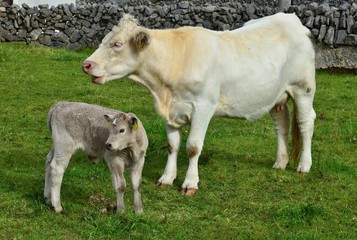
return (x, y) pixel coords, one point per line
(84, 25)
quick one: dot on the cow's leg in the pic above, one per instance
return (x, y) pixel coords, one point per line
(116, 167)
(199, 125)
(58, 166)
(174, 141)
(48, 179)
(281, 121)
(136, 176)
(305, 119)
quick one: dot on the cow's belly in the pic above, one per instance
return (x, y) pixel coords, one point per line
(248, 102)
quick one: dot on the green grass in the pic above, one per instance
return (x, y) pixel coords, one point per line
(240, 196)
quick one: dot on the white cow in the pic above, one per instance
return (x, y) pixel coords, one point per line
(118, 137)
(194, 74)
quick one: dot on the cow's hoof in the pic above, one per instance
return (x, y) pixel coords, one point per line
(188, 191)
(279, 165)
(303, 169)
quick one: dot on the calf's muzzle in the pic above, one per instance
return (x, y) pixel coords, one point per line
(109, 146)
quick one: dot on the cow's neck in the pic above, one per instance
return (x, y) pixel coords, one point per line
(161, 93)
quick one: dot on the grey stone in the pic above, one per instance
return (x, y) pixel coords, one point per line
(310, 22)
(25, 6)
(183, 4)
(344, 6)
(315, 32)
(351, 40)
(45, 40)
(60, 25)
(49, 32)
(66, 10)
(312, 6)
(35, 34)
(330, 36)
(349, 22)
(69, 31)
(323, 30)
(250, 9)
(6, 35)
(341, 35)
(308, 13)
(22, 33)
(60, 37)
(45, 12)
(43, 6)
(209, 9)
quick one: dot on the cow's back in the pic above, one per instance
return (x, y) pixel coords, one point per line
(83, 124)
(261, 61)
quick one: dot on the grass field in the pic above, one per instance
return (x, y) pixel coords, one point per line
(240, 196)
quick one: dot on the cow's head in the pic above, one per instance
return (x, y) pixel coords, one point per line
(117, 55)
(121, 131)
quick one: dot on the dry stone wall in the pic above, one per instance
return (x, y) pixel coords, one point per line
(334, 24)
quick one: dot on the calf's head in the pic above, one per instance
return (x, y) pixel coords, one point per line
(121, 131)
(117, 55)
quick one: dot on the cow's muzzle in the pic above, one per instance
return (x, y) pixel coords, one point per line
(87, 66)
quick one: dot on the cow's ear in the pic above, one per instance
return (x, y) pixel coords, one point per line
(141, 40)
(133, 122)
(109, 117)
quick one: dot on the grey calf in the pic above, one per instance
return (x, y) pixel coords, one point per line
(118, 137)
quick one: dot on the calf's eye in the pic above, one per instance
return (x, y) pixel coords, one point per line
(122, 130)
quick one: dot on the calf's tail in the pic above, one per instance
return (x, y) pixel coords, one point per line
(51, 113)
(296, 137)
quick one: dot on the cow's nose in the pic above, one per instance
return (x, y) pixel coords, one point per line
(87, 66)
(108, 146)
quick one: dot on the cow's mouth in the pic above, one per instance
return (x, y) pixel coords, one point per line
(98, 80)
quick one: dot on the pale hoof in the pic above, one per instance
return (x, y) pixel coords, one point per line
(188, 191)
(279, 166)
(303, 169)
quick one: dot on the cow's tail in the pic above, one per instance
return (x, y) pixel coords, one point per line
(296, 137)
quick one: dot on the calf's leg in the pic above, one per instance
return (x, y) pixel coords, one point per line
(281, 122)
(48, 181)
(136, 177)
(58, 166)
(116, 168)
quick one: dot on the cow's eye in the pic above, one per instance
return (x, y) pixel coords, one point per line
(122, 130)
(117, 45)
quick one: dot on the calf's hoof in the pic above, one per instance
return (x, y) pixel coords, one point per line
(48, 200)
(188, 191)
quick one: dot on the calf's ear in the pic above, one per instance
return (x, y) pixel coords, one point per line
(133, 123)
(109, 117)
(141, 40)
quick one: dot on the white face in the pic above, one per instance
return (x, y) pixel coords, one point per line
(116, 56)
(113, 59)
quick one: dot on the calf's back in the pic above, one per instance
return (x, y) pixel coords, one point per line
(80, 125)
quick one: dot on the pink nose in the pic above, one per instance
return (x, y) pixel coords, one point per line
(88, 66)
